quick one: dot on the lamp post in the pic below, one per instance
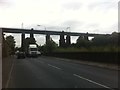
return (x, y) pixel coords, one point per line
(44, 27)
(68, 28)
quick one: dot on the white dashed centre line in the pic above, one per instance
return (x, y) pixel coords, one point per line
(54, 66)
(93, 81)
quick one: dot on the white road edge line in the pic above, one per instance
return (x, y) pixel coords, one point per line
(92, 81)
(54, 66)
(9, 77)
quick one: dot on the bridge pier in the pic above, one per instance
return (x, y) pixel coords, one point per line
(62, 40)
(31, 33)
(23, 42)
(47, 38)
(68, 40)
(86, 36)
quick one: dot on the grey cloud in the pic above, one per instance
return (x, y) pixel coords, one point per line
(99, 29)
(103, 5)
(4, 3)
(93, 25)
(55, 37)
(72, 5)
(72, 23)
(110, 29)
(40, 39)
(57, 27)
(114, 28)
(54, 28)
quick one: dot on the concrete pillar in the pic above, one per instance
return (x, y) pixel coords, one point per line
(23, 41)
(86, 36)
(31, 34)
(47, 38)
(68, 40)
(62, 40)
(1, 58)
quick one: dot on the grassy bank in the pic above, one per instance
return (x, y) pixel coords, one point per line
(102, 57)
(90, 49)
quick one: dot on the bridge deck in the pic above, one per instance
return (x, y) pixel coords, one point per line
(27, 31)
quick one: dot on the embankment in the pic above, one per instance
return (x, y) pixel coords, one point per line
(102, 57)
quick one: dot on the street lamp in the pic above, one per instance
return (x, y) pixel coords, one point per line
(68, 28)
(43, 26)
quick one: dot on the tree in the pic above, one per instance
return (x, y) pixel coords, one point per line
(4, 47)
(119, 39)
(101, 40)
(106, 40)
(10, 43)
(82, 42)
(29, 41)
(50, 46)
(115, 39)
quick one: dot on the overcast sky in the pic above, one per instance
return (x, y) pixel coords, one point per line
(93, 16)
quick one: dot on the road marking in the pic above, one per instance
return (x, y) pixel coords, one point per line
(9, 77)
(92, 81)
(54, 66)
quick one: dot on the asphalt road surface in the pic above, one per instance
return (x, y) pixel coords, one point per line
(48, 72)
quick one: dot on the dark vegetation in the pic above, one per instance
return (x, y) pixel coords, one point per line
(102, 48)
(100, 43)
(49, 47)
(8, 46)
(8, 49)
(102, 57)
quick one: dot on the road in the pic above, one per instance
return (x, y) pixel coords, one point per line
(50, 72)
